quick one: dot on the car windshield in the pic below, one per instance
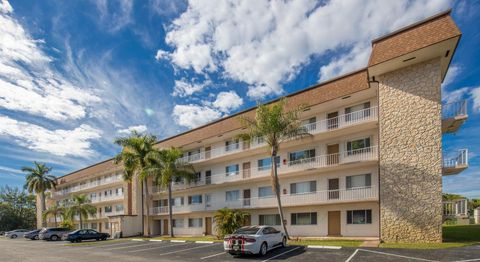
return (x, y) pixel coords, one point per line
(247, 230)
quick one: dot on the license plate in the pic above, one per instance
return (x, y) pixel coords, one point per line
(236, 248)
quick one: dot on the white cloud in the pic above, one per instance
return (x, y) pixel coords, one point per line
(475, 93)
(130, 129)
(194, 115)
(5, 7)
(265, 43)
(60, 142)
(452, 73)
(183, 88)
(114, 15)
(28, 81)
(455, 95)
(227, 101)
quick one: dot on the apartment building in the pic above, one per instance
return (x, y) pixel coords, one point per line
(372, 167)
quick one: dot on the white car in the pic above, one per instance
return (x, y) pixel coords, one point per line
(254, 240)
(16, 233)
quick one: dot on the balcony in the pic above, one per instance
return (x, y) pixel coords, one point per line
(307, 164)
(106, 198)
(453, 116)
(314, 198)
(88, 185)
(322, 126)
(455, 165)
(455, 208)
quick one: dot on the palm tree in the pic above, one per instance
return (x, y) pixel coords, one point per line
(39, 181)
(54, 211)
(137, 155)
(81, 206)
(228, 220)
(275, 125)
(167, 169)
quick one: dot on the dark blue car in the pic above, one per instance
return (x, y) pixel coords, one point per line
(85, 234)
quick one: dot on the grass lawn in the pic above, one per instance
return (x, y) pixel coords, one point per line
(453, 236)
(205, 238)
(333, 242)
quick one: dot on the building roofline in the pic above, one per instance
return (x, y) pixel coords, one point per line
(98, 163)
(405, 28)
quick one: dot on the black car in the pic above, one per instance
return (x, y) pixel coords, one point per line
(85, 234)
(33, 235)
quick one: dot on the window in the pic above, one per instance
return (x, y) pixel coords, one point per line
(232, 170)
(198, 177)
(194, 155)
(260, 140)
(177, 201)
(233, 195)
(108, 209)
(304, 218)
(119, 191)
(265, 191)
(232, 145)
(93, 196)
(94, 225)
(359, 181)
(208, 177)
(357, 112)
(107, 225)
(177, 222)
(196, 199)
(271, 220)
(358, 146)
(119, 208)
(310, 124)
(266, 163)
(303, 187)
(359, 216)
(300, 157)
(195, 222)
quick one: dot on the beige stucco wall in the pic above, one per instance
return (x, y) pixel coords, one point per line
(410, 154)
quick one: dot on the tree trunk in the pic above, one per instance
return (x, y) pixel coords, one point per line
(170, 208)
(143, 213)
(276, 187)
(81, 223)
(55, 220)
(44, 207)
(147, 200)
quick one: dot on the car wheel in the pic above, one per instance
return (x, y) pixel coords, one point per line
(284, 242)
(54, 238)
(104, 238)
(79, 240)
(263, 249)
(97, 239)
(13, 236)
(36, 238)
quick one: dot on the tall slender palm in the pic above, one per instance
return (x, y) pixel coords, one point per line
(54, 211)
(81, 206)
(276, 125)
(136, 156)
(38, 180)
(167, 169)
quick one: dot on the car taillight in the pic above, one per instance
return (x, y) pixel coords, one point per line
(226, 238)
(251, 240)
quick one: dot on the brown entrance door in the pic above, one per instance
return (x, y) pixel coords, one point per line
(246, 197)
(333, 186)
(208, 226)
(332, 120)
(165, 227)
(334, 223)
(246, 169)
(332, 154)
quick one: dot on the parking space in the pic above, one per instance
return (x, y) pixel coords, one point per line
(128, 250)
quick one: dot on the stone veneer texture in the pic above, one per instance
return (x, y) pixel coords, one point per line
(410, 154)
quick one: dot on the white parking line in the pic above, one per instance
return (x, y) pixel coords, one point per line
(352, 255)
(178, 241)
(204, 242)
(468, 260)
(281, 254)
(115, 248)
(395, 255)
(103, 245)
(181, 250)
(150, 248)
(214, 255)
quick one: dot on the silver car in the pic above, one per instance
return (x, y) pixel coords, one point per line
(254, 240)
(16, 233)
(53, 233)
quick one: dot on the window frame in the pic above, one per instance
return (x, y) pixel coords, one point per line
(313, 218)
(367, 213)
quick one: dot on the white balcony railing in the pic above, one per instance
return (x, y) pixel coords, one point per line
(461, 160)
(106, 198)
(88, 185)
(326, 125)
(458, 207)
(318, 197)
(454, 109)
(318, 162)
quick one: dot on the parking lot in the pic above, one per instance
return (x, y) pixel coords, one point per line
(128, 250)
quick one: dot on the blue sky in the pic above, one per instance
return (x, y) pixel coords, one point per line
(76, 74)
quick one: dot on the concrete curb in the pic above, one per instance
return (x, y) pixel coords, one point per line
(178, 241)
(324, 247)
(156, 240)
(204, 242)
(137, 239)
